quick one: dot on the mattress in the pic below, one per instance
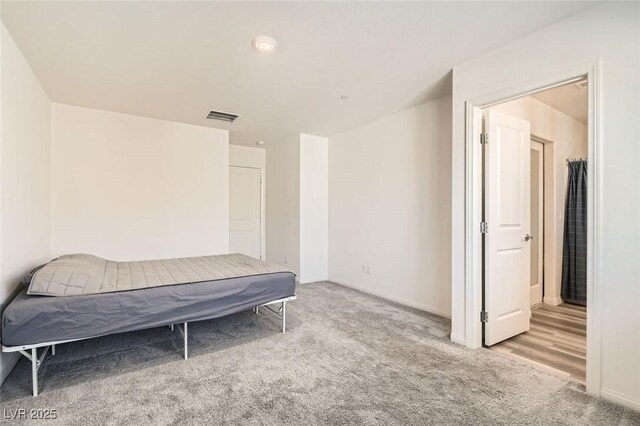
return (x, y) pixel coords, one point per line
(38, 319)
(73, 274)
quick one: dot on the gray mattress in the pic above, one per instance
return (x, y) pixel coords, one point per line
(39, 319)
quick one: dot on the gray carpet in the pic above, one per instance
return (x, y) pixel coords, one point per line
(347, 358)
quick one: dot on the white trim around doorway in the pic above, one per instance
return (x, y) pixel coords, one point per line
(542, 234)
(473, 206)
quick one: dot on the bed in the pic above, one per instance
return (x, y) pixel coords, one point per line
(76, 297)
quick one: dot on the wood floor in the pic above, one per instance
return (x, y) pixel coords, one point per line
(556, 340)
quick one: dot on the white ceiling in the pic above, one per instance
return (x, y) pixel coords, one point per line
(176, 60)
(570, 99)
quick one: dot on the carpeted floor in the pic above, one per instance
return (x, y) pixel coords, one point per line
(347, 358)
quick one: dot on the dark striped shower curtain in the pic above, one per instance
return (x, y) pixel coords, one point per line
(574, 255)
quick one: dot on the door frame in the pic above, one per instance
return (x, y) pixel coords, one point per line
(542, 198)
(263, 254)
(551, 292)
(473, 205)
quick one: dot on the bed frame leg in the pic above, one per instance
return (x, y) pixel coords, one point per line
(53, 350)
(186, 354)
(183, 329)
(34, 370)
(284, 317)
(256, 309)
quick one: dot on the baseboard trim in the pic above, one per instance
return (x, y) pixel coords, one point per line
(555, 301)
(619, 398)
(400, 300)
(458, 339)
(312, 282)
(9, 361)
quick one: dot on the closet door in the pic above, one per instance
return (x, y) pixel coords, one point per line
(245, 187)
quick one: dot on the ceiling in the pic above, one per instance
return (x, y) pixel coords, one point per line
(569, 99)
(176, 60)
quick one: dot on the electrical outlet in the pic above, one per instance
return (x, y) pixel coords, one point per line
(367, 269)
(363, 269)
(286, 260)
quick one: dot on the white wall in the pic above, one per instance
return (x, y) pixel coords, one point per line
(314, 225)
(283, 202)
(389, 207)
(611, 32)
(126, 187)
(568, 139)
(247, 156)
(24, 175)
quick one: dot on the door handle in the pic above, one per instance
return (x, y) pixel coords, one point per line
(528, 237)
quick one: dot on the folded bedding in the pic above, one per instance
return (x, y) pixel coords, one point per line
(83, 274)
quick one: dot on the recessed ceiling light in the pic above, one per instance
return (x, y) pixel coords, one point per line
(259, 142)
(264, 44)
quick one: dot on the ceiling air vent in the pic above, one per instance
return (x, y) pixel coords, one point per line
(222, 116)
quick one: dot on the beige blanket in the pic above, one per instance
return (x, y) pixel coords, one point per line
(75, 274)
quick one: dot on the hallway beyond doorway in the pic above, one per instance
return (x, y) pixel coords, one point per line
(556, 340)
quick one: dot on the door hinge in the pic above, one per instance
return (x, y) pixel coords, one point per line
(484, 316)
(484, 227)
(484, 138)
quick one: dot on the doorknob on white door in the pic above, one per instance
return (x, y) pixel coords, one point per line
(528, 237)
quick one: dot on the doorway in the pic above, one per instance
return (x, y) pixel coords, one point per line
(536, 288)
(521, 316)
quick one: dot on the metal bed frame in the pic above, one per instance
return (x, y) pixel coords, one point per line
(36, 362)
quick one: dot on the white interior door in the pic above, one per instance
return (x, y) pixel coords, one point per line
(537, 222)
(508, 215)
(245, 211)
